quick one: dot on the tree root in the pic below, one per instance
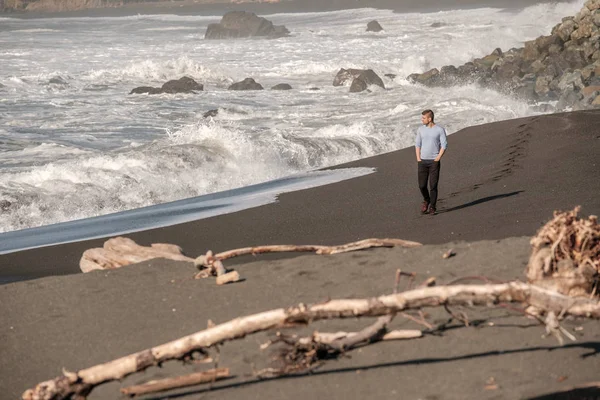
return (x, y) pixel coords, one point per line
(566, 255)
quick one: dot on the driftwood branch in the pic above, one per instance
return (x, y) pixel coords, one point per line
(212, 264)
(176, 382)
(83, 381)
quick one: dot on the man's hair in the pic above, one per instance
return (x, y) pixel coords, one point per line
(428, 112)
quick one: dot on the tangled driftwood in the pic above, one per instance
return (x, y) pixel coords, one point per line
(118, 252)
(80, 383)
(566, 255)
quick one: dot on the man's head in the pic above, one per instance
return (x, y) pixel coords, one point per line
(427, 117)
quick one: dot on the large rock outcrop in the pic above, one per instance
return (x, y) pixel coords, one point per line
(563, 66)
(242, 24)
(181, 85)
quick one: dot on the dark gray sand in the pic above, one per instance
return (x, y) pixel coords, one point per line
(498, 181)
(81, 320)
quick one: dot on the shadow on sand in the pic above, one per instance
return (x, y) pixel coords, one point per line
(479, 201)
(594, 348)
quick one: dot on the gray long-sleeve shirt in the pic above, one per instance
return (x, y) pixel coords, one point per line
(431, 140)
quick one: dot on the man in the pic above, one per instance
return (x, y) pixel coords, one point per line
(430, 146)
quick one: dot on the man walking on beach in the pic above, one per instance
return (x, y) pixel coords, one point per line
(430, 145)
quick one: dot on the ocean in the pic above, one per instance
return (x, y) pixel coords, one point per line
(74, 144)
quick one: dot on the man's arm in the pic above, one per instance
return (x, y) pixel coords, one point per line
(443, 145)
(418, 146)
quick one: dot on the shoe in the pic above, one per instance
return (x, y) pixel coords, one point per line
(424, 207)
(432, 211)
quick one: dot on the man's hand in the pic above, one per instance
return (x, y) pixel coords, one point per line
(440, 155)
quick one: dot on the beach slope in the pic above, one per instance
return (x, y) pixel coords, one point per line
(499, 182)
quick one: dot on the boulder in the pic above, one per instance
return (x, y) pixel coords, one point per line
(592, 5)
(57, 80)
(346, 75)
(391, 76)
(364, 79)
(4, 205)
(246, 84)
(584, 30)
(596, 18)
(182, 85)
(282, 86)
(531, 51)
(543, 43)
(571, 81)
(449, 75)
(542, 86)
(374, 26)
(588, 90)
(211, 113)
(582, 14)
(426, 78)
(575, 57)
(437, 25)
(486, 62)
(242, 24)
(568, 99)
(565, 29)
(145, 90)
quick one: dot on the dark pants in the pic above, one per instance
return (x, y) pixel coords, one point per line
(429, 170)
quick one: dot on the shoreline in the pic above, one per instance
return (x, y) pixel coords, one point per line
(171, 213)
(218, 8)
(524, 169)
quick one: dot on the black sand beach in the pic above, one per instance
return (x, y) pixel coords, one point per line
(500, 182)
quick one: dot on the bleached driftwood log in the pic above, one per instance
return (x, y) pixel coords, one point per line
(73, 384)
(118, 252)
(565, 255)
(212, 264)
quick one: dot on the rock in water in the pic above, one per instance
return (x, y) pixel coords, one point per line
(241, 24)
(364, 79)
(246, 84)
(211, 113)
(374, 26)
(181, 85)
(282, 86)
